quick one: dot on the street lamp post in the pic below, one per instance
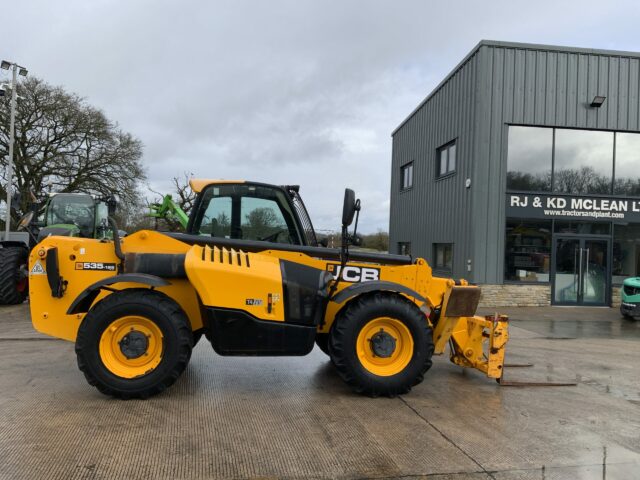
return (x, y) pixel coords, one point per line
(14, 95)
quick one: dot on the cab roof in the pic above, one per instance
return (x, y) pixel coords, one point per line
(198, 184)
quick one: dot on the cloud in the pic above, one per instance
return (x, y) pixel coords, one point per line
(282, 91)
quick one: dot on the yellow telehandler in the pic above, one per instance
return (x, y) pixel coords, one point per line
(251, 276)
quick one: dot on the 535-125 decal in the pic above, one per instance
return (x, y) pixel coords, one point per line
(99, 266)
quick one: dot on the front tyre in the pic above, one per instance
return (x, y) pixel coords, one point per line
(134, 344)
(381, 344)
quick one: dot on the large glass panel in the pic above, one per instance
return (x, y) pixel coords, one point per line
(586, 228)
(527, 250)
(594, 275)
(583, 161)
(626, 252)
(627, 173)
(567, 279)
(529, 159)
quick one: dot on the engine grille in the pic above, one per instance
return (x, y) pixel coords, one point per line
(229, 256)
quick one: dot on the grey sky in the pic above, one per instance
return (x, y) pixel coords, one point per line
(281, 91)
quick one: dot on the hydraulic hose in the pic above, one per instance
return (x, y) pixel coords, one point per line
(116, 239)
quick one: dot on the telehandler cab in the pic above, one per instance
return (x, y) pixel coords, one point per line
(250, 275)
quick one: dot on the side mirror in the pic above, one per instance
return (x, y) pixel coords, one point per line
(356, 240)
(324, 242)
(349, 207)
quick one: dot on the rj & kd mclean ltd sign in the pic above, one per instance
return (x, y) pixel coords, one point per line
(570, 207)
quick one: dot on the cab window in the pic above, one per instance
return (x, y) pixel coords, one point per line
(246, 212)
(216, 220)
(72, 209)
(263, 220)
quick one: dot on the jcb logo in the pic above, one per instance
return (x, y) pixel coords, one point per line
(354, 274)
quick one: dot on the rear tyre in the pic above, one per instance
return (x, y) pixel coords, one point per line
(381, 344)
(134, 344)
(14, 275)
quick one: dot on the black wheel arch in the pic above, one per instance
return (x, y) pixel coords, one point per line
(358, 289)
(85, 299)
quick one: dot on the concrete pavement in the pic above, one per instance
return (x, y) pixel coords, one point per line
(294, 418)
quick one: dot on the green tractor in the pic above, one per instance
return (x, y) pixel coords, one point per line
(62, 214)
(630, 293)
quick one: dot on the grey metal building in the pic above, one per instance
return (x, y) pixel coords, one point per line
(521, 171)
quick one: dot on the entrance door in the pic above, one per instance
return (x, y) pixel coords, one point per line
(581, 271)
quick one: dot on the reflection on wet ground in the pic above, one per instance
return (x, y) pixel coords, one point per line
(572, 322)
(294, 418)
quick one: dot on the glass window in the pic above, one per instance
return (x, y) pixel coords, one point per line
(72, 209)
(587, 228)
(247, 212)
(626, 252)
(406, 176)
(627, 172)
(443, 256)
(404, 248)
(263, 220)
(216, 220)
(527, 250)
(529, 159)
(447, 159)
(583, 161)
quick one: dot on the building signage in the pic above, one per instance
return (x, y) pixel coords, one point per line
(528, 205)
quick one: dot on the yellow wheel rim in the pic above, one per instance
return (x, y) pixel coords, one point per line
(398, 352)
(131, 346)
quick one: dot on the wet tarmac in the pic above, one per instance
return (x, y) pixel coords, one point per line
(293, 417)
(572, 322)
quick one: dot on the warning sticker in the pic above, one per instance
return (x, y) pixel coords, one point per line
(37, 269)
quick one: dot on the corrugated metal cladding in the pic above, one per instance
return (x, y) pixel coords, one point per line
(497, 84)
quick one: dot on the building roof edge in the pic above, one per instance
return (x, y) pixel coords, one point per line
(522, 46)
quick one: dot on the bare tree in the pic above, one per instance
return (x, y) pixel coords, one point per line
(184, 196)
(62, 144)
(180, 194)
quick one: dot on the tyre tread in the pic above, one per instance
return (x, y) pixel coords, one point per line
(10, 260)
